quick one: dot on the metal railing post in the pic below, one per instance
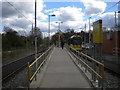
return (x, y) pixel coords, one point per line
(28, 76)
(86, 63)
(94, 64)
(102, 76)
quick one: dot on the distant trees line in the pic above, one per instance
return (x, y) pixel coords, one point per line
(11, 40)
(68, 33)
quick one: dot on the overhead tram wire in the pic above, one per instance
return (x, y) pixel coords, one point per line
(19, 11)
(107, 9)
(110, 7)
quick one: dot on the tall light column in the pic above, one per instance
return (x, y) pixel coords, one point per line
(49, 27)
(59, 31)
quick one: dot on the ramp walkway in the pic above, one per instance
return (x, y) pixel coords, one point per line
(60, 72)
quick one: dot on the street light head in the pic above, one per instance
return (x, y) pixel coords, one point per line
(59, 22)
(53, 15)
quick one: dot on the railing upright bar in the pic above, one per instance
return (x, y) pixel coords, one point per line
(28, 75)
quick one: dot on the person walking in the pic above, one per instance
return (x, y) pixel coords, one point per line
(62, 44)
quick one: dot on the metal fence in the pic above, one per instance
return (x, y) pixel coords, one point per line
(34, 67)
(91, 65)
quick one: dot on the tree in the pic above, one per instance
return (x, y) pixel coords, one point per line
(11, 39)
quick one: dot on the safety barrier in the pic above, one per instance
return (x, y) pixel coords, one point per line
(95, 67)
(35, 66)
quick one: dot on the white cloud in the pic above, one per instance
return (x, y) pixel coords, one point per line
(12, 18)
(50, 10)
(69, 14)
(72, 17)
(108, 19)
(93, 7)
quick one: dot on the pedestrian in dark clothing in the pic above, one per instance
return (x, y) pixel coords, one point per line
(62, 44)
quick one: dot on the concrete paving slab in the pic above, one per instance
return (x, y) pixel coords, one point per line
(61, 72)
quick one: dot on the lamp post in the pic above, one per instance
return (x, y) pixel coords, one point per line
(59, 32)
(49, 27)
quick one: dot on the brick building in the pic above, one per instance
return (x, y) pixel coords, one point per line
(111, 40)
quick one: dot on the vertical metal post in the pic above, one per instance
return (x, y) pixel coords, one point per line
(99, 58)
(35, 13)
(94, 64)
(32, 46)
(102, 74)
(85, 34)
(116, 38)
(28, 76)
(85, 48)
(49, 30)
(35, 35)
(99, 66)
(59, 34)
(89, 31)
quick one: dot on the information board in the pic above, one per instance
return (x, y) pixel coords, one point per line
(97, 32)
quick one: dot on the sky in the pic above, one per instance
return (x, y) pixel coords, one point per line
(74, 15)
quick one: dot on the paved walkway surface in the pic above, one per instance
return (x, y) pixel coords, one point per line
(60, 72)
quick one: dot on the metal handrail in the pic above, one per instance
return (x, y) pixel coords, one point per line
(90, 58)
(101, 76)
(30, 78)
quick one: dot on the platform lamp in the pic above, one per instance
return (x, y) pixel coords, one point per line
(49, 27)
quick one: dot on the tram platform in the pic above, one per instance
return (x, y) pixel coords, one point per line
(60, 72)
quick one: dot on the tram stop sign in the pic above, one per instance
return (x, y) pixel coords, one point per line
(97, 32)
(35, 32)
